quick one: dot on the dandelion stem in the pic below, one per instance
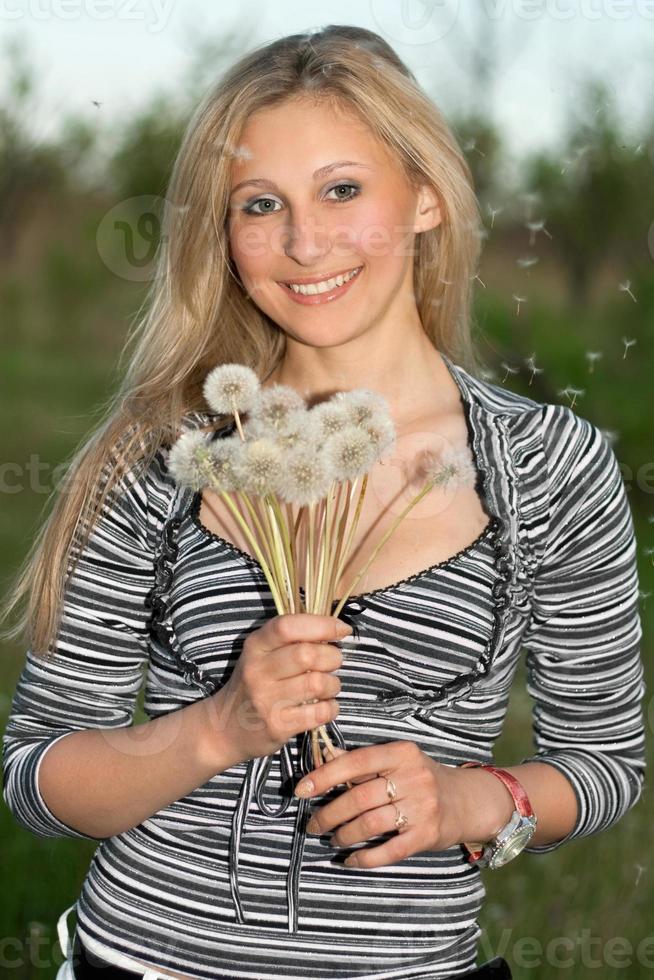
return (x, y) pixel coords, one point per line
(323, 552)
(277, 548)
(225, 494)
(341, 518)
(355, 521)
(385, 538)
(237, 419)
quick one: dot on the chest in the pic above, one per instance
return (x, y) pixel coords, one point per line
(445, 522)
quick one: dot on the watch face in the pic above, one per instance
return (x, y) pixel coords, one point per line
(506, 851)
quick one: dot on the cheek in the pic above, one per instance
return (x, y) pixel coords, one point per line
(250, 247)
(382, 235)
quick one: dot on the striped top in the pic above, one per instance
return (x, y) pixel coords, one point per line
(212, 885)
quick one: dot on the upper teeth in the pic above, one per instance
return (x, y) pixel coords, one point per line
(322, 287)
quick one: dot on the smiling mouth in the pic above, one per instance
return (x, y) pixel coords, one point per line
(325, 286)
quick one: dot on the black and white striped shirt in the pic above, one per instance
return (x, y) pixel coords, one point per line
(224, 882)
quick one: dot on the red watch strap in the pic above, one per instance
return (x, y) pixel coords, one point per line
(514, 786)
(520, 799)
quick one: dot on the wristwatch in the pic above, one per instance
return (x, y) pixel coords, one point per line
(515, 835)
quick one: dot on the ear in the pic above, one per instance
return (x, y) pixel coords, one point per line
(428, 211)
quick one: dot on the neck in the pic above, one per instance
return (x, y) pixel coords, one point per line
(414, 381)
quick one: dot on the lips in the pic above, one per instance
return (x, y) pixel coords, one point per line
(327, 295)
(310, 280)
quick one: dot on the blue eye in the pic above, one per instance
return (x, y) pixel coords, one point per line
(268, 200)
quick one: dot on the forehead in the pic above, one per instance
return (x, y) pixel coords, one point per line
(298, 136)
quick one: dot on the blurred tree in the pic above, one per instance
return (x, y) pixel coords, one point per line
(145, 149)
(482, 146)
(27, 168)
(592, 195)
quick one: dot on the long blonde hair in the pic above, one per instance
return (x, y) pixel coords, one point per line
(197, 315)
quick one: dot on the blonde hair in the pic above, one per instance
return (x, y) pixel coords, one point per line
(197, 314)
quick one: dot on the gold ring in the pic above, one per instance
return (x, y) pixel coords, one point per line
(391, 791)
(401, 820)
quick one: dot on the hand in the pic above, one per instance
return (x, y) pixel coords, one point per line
(433, 796)
(284, 681)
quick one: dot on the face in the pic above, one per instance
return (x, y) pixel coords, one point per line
(299, 224)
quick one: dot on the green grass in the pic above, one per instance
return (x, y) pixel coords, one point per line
(595, 895)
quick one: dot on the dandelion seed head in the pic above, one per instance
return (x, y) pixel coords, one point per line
(328, 418)
(230, 388)
(189, 459)
(276, 408)
(224, 455)
(350, 453)
(304, 478)
(381, 432)
(362, 405)
(449, 468)
(258, 466)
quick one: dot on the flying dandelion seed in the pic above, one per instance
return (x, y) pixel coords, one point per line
(627, 344)
(625, 287)
(531, 364)
(479, 280)
(649, 552)
(488, 374)
(592, 356)
(509, 370)
(611, 435)
(534, 227)
(570, 391)
(493, 212)
(519, 300)
(241, 153)
(527, 261)
(644, 596)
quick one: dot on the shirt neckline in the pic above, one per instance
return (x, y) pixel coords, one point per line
(252, 562)
(491, 526)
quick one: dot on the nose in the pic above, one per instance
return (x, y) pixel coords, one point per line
(305, 239)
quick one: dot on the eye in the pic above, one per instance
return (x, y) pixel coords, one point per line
(267, 200)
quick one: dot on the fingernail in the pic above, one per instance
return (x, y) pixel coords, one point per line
(304, 788)
(344, 628)
(352, 861)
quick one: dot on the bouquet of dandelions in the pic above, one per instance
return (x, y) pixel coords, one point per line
(295, 479)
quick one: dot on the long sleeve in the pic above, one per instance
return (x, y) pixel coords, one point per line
(92, 677)
(585, 673)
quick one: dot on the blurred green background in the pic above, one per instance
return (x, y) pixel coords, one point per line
(564, 312)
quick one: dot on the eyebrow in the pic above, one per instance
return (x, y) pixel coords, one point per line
(320, 172)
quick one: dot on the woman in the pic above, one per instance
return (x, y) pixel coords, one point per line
(319, 156)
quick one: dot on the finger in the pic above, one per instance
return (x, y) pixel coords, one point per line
(295, 627)
(363, 810)
(400, 846)
(328, 755)
(370, 823)
(290, 662)
(366, 761)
